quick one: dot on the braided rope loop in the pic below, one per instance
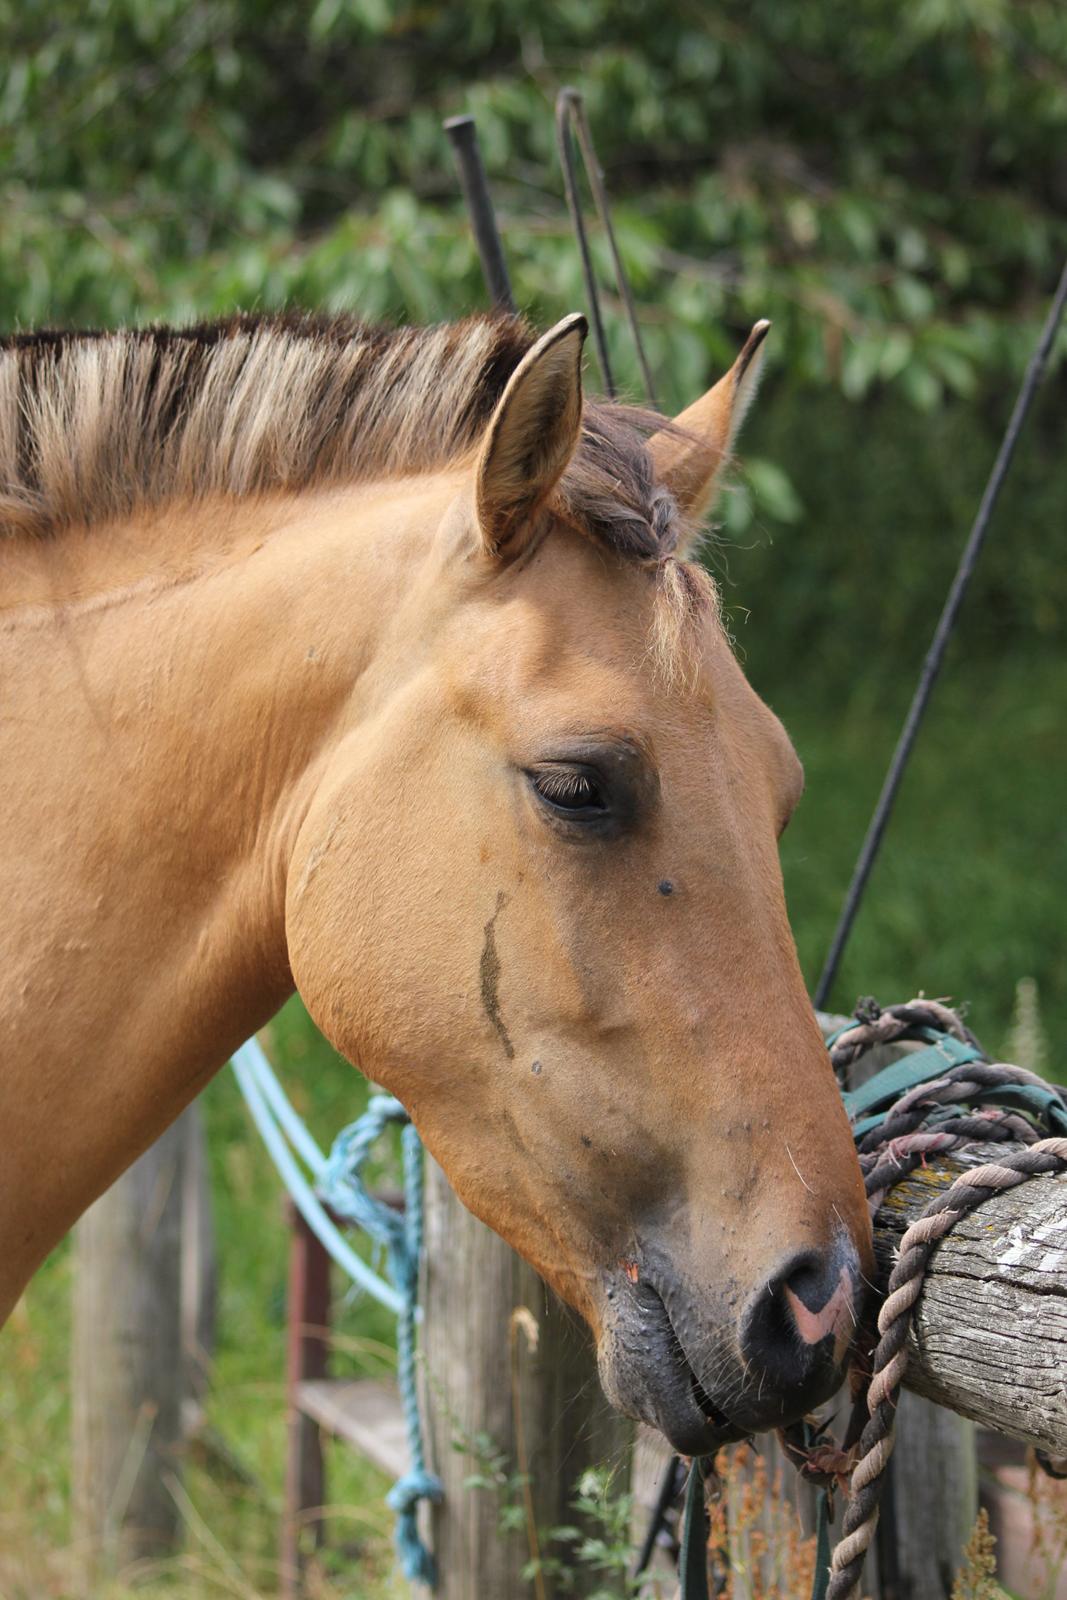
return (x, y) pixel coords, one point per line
(342, 1186)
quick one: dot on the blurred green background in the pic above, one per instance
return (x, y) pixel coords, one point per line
(886, 182)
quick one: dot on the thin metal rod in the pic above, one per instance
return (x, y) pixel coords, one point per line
(942, 634)
(472, 180)
(570, 119)
(668, 1492)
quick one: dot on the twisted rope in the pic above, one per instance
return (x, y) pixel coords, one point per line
(343, 1187)
(888, 1154)
(875, 1024)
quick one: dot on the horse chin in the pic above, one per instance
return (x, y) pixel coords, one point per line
(692, 1425)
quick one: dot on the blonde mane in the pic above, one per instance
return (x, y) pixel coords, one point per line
(95, 427)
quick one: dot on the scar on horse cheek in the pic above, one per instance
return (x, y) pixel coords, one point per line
(489, 972)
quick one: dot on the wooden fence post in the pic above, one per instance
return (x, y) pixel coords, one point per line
(306, 1358)
(484, 1308)
(930, 1504)
(199, 1270)
(128, 1373)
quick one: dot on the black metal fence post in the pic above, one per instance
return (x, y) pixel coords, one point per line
(475, 185)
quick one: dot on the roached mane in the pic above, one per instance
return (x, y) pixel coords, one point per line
(95, 427)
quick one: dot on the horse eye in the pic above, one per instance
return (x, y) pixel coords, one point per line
(574, 790)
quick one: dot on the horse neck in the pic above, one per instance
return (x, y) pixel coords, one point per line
(161, 742)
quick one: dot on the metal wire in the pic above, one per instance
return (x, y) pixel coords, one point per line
(571, 120)
(936, 654)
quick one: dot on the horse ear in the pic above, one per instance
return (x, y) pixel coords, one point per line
(531, 437)
(690, 459)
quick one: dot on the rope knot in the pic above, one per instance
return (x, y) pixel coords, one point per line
(817, 1457)
(416, 1485)
(416, 1562)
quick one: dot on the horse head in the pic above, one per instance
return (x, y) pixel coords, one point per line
(538, 897)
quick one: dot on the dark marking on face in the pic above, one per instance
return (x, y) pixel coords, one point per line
(586, 1141)
(490, 975)
(535, 1068)
(665, 886)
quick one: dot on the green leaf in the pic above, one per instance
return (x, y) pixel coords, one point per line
(861, 364)
(773, 491)
(921, 386)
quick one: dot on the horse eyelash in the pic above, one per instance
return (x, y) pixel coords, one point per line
(563, 785)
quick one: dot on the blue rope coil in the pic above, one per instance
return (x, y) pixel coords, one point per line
(341, 1185)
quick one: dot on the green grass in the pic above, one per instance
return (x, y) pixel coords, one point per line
(966, 900)
(968, 894)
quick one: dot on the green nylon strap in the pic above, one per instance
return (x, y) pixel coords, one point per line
(693, 1557)
(868, 1105)
(1044, 1105)
(919, 1066)
(821, 1581)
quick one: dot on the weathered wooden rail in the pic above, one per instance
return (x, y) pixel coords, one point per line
(990, 1335)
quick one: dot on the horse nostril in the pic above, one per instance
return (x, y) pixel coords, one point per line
(798, 1327)
(806, 1282)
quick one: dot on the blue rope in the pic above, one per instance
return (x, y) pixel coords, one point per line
(340, 1184)
(291, 1124)
(342, 1187)
(254, 1076)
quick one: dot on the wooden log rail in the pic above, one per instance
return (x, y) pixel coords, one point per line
(989, 1338)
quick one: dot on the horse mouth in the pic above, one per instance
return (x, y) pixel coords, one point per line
(684, 1411)
(716, 1418)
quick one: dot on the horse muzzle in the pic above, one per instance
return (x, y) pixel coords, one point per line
(766, 1359)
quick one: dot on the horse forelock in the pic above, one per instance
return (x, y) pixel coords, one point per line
(609, 492)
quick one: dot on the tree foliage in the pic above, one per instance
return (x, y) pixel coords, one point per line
(886, 182)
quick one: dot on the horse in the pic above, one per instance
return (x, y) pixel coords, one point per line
(377, 663)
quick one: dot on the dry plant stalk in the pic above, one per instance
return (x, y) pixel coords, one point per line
(976, 1579)
(755, 1542)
